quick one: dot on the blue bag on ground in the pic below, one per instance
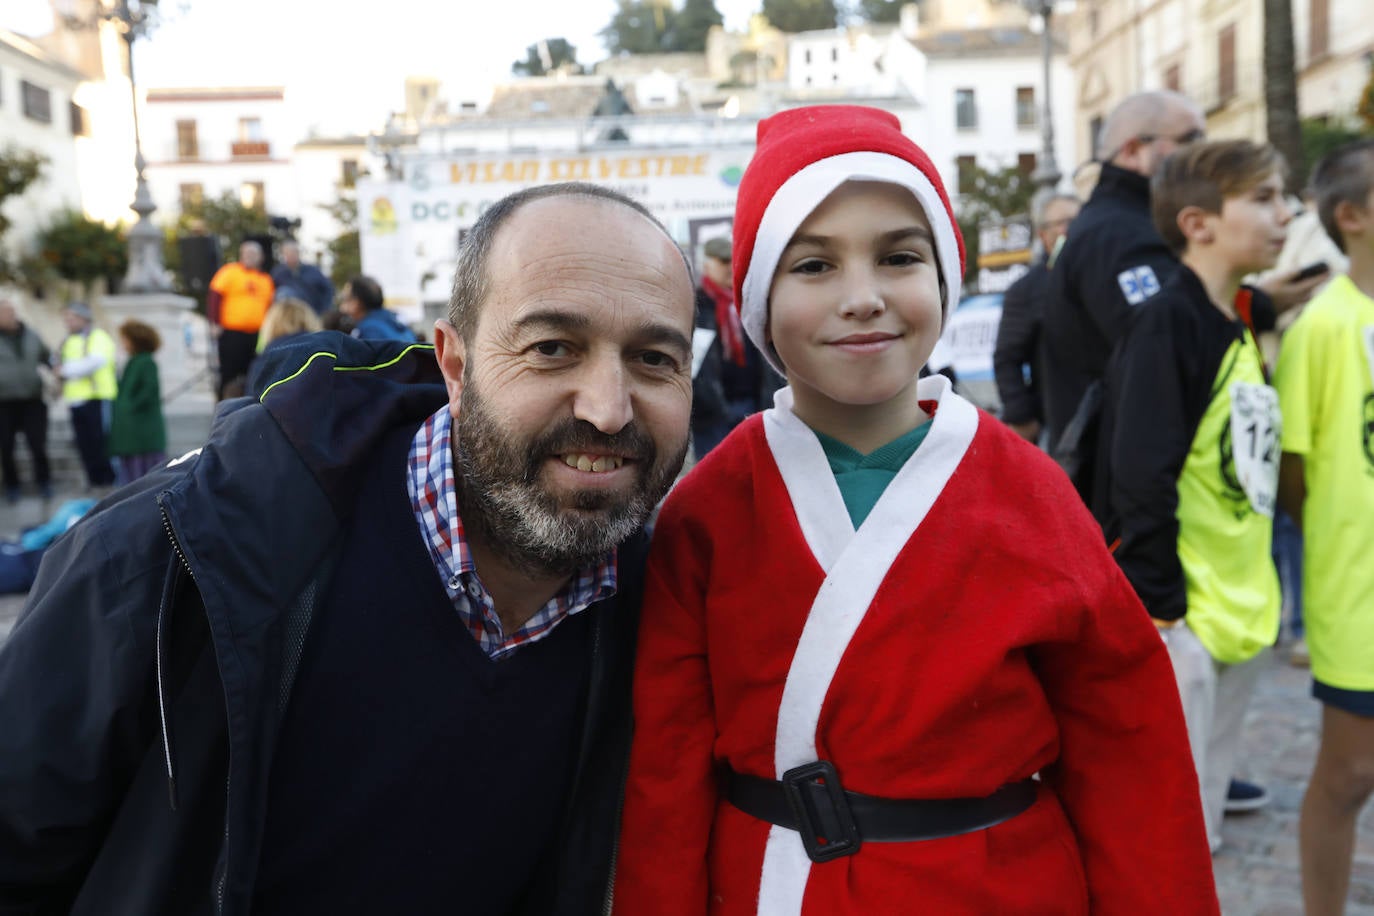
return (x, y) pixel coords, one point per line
(19, 559)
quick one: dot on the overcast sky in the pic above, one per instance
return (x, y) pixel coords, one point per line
(345, 70)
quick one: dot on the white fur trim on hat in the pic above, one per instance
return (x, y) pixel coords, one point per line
(803, 193)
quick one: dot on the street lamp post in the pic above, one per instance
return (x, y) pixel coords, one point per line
(146, 273)
(1046, 175)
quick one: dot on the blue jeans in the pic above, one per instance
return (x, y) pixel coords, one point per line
(1288, 561)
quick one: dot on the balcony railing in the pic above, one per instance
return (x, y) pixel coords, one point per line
(250, 149)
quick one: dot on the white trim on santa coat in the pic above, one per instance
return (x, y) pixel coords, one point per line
(856, 563)
(819, 507)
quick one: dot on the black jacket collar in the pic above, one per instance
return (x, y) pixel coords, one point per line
(1115, 181)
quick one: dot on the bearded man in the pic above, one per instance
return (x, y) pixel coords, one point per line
(369, 649)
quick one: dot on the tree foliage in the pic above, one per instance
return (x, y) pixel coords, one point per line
(640, 27)
(19, 168)
(656, 27)
(1320, 137)
(83, 250)
(801, 15)
(345, 250)
(224, 217)
(692, 24)
(881, 11)
(990, 196)
(1365, 108)
(546, 56)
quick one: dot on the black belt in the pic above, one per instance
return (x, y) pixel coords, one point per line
(834, 822)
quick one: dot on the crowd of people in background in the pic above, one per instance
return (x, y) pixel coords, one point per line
(1219, 457)
(115, 405)
(1177, 385)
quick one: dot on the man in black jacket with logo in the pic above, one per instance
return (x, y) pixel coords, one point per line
(1112, 261)
(369, 650)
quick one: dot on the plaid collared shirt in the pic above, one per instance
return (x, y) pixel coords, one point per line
(435, 501)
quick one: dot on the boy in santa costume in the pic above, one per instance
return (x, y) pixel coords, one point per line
(886, 664)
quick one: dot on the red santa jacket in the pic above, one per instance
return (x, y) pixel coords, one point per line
(973, 632)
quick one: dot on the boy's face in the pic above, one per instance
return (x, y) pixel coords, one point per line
(855, 308)
(1249, 232)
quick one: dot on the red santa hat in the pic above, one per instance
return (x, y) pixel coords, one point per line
(802, 156)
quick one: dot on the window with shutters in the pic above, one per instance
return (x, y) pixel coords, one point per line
(968, 169)
(965, 109)
(1226, 64)
(1025, 106)
(37, 102)
(188, 146)
(81, 125)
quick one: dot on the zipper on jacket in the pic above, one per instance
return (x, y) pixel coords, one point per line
(163, 612)
(615, 843)
(222, 878)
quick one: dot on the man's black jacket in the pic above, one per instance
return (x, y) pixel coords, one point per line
(141, 690)
(1018, 346)
(1112, 261)
(1111, 247)
(1160, 380)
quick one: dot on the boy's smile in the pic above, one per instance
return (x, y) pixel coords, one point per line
(855, 309)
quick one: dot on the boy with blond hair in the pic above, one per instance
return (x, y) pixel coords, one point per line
(1190, 445)
(1325, 380)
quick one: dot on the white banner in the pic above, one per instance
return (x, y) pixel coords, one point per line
(410, 230)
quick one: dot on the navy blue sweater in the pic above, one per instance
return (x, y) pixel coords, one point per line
(414, 774)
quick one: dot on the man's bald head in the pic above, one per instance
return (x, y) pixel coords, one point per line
(250, 255)
(470, 285)
(1146, 127)
(9, 318)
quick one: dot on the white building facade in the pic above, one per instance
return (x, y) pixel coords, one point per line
(988, 107)
(966, 96)
(37, 114)
(324, 170)
(202, 142)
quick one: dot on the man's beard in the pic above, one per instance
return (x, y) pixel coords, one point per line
(501, 499)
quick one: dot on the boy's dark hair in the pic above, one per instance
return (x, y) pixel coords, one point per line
(1344, 174)
(1204, 175)
(143, 338)
(367, 291)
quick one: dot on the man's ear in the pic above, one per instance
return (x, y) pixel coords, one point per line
(1196, 225)
(451, 351)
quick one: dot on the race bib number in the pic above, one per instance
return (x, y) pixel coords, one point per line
(1368, 332)
(1255, 428)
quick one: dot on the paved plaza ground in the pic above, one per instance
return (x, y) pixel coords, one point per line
(1256, 868)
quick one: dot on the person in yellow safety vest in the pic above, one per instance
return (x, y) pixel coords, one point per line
(87, 367)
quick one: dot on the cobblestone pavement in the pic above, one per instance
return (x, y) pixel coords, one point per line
(1257, 866)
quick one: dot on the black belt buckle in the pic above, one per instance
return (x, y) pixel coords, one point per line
(828, 830)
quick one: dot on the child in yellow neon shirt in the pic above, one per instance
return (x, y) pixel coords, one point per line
(1189, 442)
(1326, 387)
